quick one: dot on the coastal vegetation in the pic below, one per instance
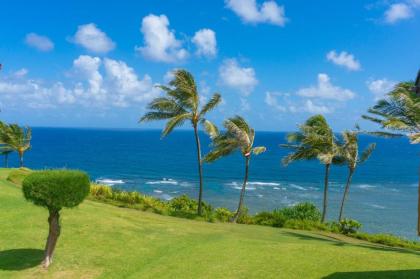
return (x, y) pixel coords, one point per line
(399, 112)
(314, 140)
(238, 136)
(99, 240)
(55, 189)
(182, 103)
(14, 138)
(349, 153)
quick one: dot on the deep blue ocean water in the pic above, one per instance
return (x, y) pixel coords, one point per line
(383, 195)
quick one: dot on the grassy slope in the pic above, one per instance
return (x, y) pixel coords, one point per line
(100, 240)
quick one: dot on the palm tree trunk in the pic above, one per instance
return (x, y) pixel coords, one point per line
(200, 171)
(241, 198)
(418, 207)
(346, 192)
(54, 233)
(21, 160)
(325, 202)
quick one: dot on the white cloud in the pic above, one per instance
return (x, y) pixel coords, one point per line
(95, 82)
(205, 42)
(245, 105)
(397, 12)
(294, 106)
(271, 100)
(88, 67)
(314, 108)
(93, 39)
(326, 90)
(21, 73)
(250, 12)
(380, 87)
(127, 84)
(39, 42)
(344, 59)
(240, 78)
(160, 43)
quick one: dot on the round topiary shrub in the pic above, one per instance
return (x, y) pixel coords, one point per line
(55, 189)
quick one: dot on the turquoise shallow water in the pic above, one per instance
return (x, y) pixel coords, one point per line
(383, 195)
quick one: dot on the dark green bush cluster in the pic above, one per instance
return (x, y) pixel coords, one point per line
(55, 189)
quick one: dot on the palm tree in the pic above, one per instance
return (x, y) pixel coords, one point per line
(238, 136)
(400, 111)
(349, 153)
(182, 103)
(17, 138)
(5, 150)
(314, 140)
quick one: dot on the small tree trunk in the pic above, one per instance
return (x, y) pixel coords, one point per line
(418, 207)
(21, 160)
(325, 202)
(241, 197)
(346, 191)
(54, 233)
(200, 171)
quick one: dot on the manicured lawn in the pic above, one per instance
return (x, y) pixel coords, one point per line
(103, 241)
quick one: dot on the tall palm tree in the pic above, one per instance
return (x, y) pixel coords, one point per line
(5, 150)
(17, 138)
(238, 136)
(349, 153)
(314, 140)
(400, 112)
(182, 103)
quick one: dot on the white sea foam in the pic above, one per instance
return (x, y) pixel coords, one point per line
(260, 196)
(109, 182)
(254, 183)
(297, 187)
(167, 197)
(163, 181)
(185, 184)
(276, 188)
(365, 186)
(247, 188)
(158, 191)
(376, 205)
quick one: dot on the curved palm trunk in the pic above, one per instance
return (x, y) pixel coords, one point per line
(241, 198)
(53, 234)
(346, 192)
(21, 159)
(200, 171)
(325, 202)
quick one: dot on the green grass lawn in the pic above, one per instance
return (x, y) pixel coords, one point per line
(104, 241)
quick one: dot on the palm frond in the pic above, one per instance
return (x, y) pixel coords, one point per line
(258, 150)
(175, 121)
(210, 129)
(367, 152)
(211, 104)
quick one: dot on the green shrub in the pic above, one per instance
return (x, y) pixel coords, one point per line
(245, 218)
(223, 214)
(302, 211)
(55, 189)
(387, 239)
(307, 225)
(349, 226)
(273, 219)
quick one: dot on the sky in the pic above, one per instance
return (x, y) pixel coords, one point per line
(276, 63)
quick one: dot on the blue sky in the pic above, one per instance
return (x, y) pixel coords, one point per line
(95, 63)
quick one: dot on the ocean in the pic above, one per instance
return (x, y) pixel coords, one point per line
(383, 196)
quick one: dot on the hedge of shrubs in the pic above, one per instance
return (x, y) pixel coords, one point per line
(302, 216)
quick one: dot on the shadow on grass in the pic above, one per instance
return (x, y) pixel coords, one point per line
(19, 259)
(339, 242)
(406, 274)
